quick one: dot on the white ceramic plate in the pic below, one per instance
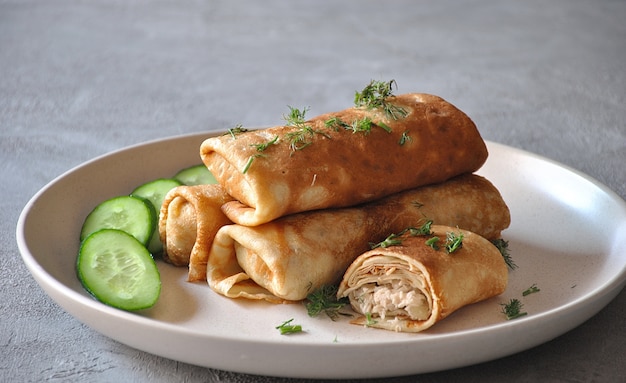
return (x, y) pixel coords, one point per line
(568, 236)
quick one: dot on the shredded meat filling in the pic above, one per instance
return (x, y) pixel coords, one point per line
(395, 297)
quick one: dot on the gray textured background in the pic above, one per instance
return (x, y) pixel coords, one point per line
(79, 79)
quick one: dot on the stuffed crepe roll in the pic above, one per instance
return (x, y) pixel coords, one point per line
(344, 158)
(190, 216)
(411, 286)
(286, 259)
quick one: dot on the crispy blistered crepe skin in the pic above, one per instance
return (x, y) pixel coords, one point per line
(190, 216)
(337, 167)
(288, 258)
(472, 273)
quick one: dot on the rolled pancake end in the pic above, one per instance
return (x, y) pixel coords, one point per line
(412, 286)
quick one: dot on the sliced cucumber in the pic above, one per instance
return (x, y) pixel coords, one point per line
(155, 191)
(195, 175)
(131, 214)
(118, 270)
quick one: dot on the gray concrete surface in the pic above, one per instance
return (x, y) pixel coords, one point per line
(79, 79)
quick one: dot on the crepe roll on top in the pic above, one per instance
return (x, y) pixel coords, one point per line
(290, 257)
(189, 218)
(417, 282)
(383, 145)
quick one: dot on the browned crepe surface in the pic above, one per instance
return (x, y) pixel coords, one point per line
(286, 259)
(338, 167)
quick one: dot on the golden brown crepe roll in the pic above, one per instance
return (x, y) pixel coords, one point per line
(344, 158)
(288, 258)
(190, 217)
(412, 286)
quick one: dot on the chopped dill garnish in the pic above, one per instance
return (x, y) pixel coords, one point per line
(264, 145)
(422, 230)
(296, 117)
(287, 328)
(453, 242)
(405, 138)
(301, 137)
(363, 125)
(238, 129)
(384, 126)
(530, 290)
(433, 242)
(391, 240)
(503, 247)
(259, 148)
(335, 123)
(369, 321)
(298, 139)
(513, 309)
(325, 300)
(374, 96)
(249, 162)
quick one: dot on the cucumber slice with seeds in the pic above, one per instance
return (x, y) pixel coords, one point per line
(131, 214)
(118, 270)
(195, 175)
(155, 191)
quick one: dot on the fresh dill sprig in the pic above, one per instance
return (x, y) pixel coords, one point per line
(325, 300)
(503, 247)
(532, 289)
(298, 139)
(264, 145)
(249, 162)
(363, 125)
(301, 137)
(335, 123)
(392, 239)
(422, 230)
(369, 321)
(513, 309)
(238, 129)
(433, 242)
(405, 138)
(375, 95)
(453, 242)
(259, 148)
(296, 117)
(384, 126)
(287, 328)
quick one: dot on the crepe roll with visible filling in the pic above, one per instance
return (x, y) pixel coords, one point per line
(343, 158)
(190, 216)
(410, 286)
(288, 258)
